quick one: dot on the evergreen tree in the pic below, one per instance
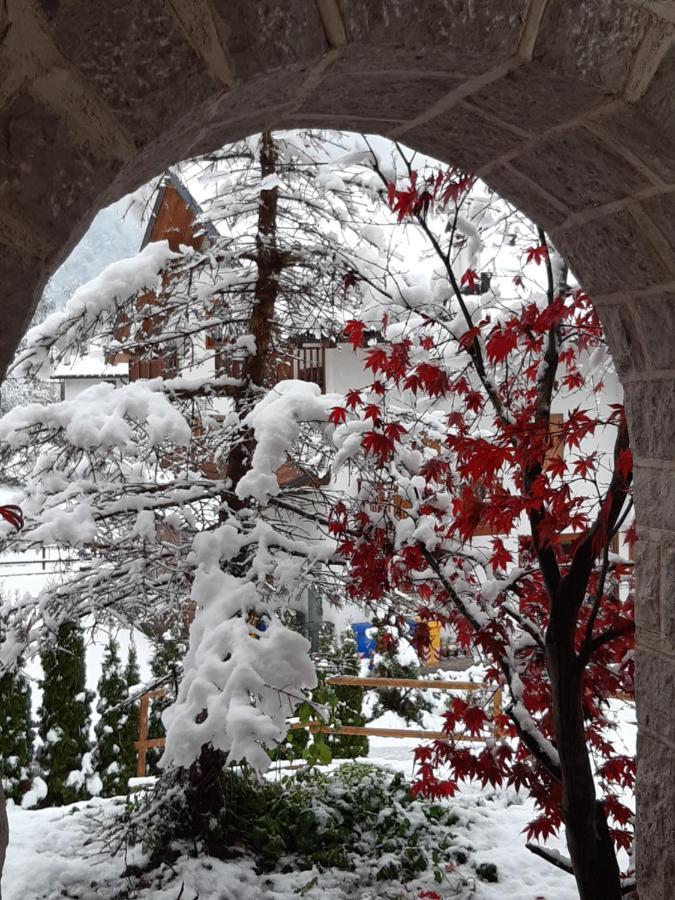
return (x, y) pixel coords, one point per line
(130, 728)
(64, 717)
(16, 734)
(408, 703)
(110, 728)
(348, 710)
(165, 661)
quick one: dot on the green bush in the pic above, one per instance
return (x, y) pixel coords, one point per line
(358, 818)
(408, 703)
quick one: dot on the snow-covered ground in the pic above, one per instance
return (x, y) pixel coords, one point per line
(52, 855)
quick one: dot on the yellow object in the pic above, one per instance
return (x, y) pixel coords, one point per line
(434, 650)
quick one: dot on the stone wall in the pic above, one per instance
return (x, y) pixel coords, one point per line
(567, 107)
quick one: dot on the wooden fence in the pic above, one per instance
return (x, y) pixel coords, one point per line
(143, 744)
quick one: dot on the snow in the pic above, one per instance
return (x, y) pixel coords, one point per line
(51, 855)
(118, 281)
(276, 423)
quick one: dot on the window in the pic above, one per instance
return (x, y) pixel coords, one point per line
(310, 364)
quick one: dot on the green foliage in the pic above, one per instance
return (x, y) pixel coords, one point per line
(113, 756)
(64, 717)
(345, 703)
(360, 818)
(16, 734)
(333, 705)
(408, 703)
(487, 872)
(132, 677)
(166, 660)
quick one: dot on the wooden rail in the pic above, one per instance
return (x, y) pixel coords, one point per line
(419, 683)
(143, 744)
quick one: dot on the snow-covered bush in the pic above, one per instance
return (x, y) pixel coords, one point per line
(360, 818)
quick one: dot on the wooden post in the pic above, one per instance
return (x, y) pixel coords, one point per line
(496, 712)
(142, 742)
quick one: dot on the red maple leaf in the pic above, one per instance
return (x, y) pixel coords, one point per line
(470, 278)
(500, 555)
(378, 444)
(12, 514)
(352, 399)
(354, 330)
(624, 463)
(537, 254)
(337, 415)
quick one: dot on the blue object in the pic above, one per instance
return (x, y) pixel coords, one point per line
(364, 644)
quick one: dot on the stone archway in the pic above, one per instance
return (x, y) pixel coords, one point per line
(567, 107)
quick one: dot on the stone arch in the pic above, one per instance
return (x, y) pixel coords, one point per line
(566, 108)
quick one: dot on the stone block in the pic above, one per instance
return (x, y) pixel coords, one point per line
(580, 170)
(477, 35)
(22, 276)
(630, 128)
(651, 415)
(658, 102)
(136, 57)
(464, 137)
(655, 694)
(592, 40)
(386, 96)
(612, 254)
(654, 491)
(267, 35)
(623, 336)
(661, 210)
(517, 189)
(52, 186)
(655, 798)
(647, 584)
(655, 318)
(667, 591)
(536, 97)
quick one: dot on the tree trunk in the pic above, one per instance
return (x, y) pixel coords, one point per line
(270, 266)
(4, 834)
(589, 843)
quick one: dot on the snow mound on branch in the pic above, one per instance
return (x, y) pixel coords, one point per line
(276, 422)
(118, 281)
(241, 683)
(98, 417)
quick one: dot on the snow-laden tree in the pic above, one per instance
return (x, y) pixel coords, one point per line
(167, 487)
(64, 718)
(16, 734)
(113, 757)
(130, 729)
(495, 472)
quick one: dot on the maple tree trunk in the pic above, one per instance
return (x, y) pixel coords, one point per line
(589, 843)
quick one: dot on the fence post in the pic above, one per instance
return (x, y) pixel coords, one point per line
(141, 743)
(496, 712)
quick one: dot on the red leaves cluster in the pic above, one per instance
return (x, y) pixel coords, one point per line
(420, 195)
(473, 481)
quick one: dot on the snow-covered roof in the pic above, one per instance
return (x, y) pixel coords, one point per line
(93, 365)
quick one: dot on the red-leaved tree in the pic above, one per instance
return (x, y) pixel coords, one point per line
(494, 514)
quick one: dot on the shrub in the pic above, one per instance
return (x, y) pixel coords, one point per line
(359, 818)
